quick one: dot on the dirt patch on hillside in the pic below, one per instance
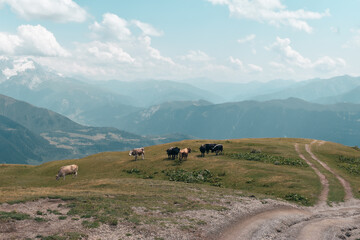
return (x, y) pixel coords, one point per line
(196, 224)
(243, 218)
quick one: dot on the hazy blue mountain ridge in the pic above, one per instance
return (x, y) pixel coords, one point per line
(315, 89)
(277, 118)
(54, 136)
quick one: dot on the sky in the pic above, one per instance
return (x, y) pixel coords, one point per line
(221, 40)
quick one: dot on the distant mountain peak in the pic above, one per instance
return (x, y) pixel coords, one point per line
(15, 66)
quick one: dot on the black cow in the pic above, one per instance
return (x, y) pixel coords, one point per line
(218, 148)
(173, 152)
(209, 146)
(202, 150)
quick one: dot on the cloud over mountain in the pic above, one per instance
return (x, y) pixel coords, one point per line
(272, 12)
(31, 40)
(292, 57)
(55, 10)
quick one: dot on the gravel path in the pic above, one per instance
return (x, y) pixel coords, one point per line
(320, 222)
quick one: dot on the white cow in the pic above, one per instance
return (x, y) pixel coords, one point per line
(66, 170)
(137, 152)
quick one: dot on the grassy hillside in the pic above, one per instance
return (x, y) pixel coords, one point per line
(113, 191)
(276, 172)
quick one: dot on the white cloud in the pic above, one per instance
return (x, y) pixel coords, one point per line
(288, 54)
(55, 10)
(153, 52)
(107, 52)
(328, 64)
(117, 31)
(116, 28)
(354, 42)
(112, 27)
(237, 62)
(19, 65)
(147, 29)
(294, 58)
(31, 40)
(119, 50)
(8, 43)
(246, 39)
(38, 40)
(254, 68)
(196, 56)
(272, 12)
(248, 68)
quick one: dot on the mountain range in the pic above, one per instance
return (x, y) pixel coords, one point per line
(251, 119)
(69, 118)
(29, 134)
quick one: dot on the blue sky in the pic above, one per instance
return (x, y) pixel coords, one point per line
(223, 40)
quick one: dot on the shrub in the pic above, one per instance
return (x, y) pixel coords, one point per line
(40, 219)
(198, 176)
(294, 197)
(88, 224)
(133, 170)
(267, 158)
(14, 215)
(350, 164)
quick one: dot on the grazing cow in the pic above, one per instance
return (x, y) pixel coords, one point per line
(218, 148)
(209, 146)
(66, 170)
(173, 152)
(202, 150)
(137, 152)
(184, 153)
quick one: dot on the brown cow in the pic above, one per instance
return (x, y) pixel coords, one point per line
(184, 153)
(66, 170)
(137, 152)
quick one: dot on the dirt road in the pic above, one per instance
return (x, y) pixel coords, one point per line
(319, 222)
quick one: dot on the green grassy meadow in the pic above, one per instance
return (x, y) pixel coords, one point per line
(107, 173)
(111, 187)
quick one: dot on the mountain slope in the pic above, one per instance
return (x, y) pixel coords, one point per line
(67, 138)
(45, 88)
(352, 96)
(311, 90)
(151, 92)
(19, 145)
(277, 118)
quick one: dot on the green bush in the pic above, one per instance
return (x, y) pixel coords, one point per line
(133, 170)
(199, 176)
(294, 197)
(350, 164)
(14, 215)
(267, 158)
(88, 224)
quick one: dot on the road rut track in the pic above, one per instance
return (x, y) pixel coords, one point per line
(341, 221)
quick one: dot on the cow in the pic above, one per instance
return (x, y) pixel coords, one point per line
(202, 150)
(137, 152)
(209, 146)
(66, 170)
(173, 152)
(184, 153)
(218, 148)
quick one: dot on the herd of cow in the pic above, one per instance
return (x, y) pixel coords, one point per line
(172, 153)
